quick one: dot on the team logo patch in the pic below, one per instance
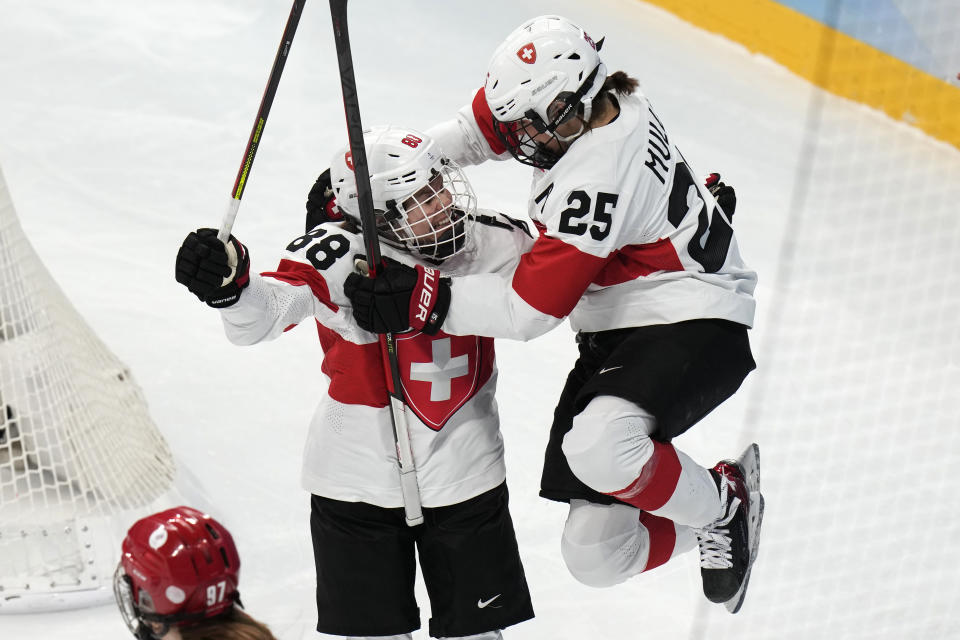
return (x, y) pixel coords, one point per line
(527, 53)
(158, 537)
(348, 158)
(441, 373)
(175, 594)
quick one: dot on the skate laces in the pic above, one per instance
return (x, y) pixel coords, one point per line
(714, 539)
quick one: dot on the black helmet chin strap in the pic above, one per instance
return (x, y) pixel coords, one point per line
(539, 154)
(571, 104)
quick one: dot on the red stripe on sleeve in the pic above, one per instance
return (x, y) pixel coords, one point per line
(484, 118)
(663, 538)
(637, 260)
(553, 275)
(298, 274)
(657, 481)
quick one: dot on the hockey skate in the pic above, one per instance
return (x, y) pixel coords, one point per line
(729, 546)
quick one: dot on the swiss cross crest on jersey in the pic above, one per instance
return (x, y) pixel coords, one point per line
(527, 53)
(441, 373)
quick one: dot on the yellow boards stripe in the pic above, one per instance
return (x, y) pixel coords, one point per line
(831, 59)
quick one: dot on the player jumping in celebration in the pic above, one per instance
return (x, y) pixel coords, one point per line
(178, 577)
(364, 551)
(644, 262)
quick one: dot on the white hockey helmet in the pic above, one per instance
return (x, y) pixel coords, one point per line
(544, 74)
(422, 201)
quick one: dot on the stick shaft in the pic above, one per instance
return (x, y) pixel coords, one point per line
(351, 106)
(256, 133)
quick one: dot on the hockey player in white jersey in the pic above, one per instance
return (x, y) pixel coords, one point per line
(646, 266)
(364, 551)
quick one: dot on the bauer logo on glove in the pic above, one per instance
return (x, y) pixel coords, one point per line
(399, 298)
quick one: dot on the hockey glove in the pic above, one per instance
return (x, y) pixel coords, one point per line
(724, 193)
(215, 273)
(321, 202)
(401, 297)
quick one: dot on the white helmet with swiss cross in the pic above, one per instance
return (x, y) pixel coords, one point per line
(544, 74)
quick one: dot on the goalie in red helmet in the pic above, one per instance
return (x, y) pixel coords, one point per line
(178, 577)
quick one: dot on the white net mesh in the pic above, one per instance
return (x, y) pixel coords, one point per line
(77, 447)
(856, 402)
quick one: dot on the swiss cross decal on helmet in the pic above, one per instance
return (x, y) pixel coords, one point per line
(348, 159)
(544, 75)
(527, 53)
(422, 201)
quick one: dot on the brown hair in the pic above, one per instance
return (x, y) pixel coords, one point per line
(620, 83)
(617, 83)
(234, 624)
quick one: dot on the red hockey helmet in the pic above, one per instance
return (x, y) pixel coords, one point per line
(177, 566)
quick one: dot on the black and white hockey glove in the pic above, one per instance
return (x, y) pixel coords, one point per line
(214, 272)
(724, 193)
(321, 202)
(401, 297)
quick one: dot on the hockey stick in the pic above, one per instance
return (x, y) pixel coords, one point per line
(351, 106)
(253, 143)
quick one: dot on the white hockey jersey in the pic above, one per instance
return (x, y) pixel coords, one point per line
(448, 381)
(628, 236)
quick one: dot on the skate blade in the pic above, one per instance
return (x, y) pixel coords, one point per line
(749, 465)
(755, 520)
(749, 462)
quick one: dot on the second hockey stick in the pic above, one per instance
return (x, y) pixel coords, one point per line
(408, 471)
(253, 142)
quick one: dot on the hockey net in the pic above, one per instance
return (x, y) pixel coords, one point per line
(855, 401)
(79, 454)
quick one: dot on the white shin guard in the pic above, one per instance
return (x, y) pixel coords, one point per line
(604, 545)
(696, 500)
(609, 443)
